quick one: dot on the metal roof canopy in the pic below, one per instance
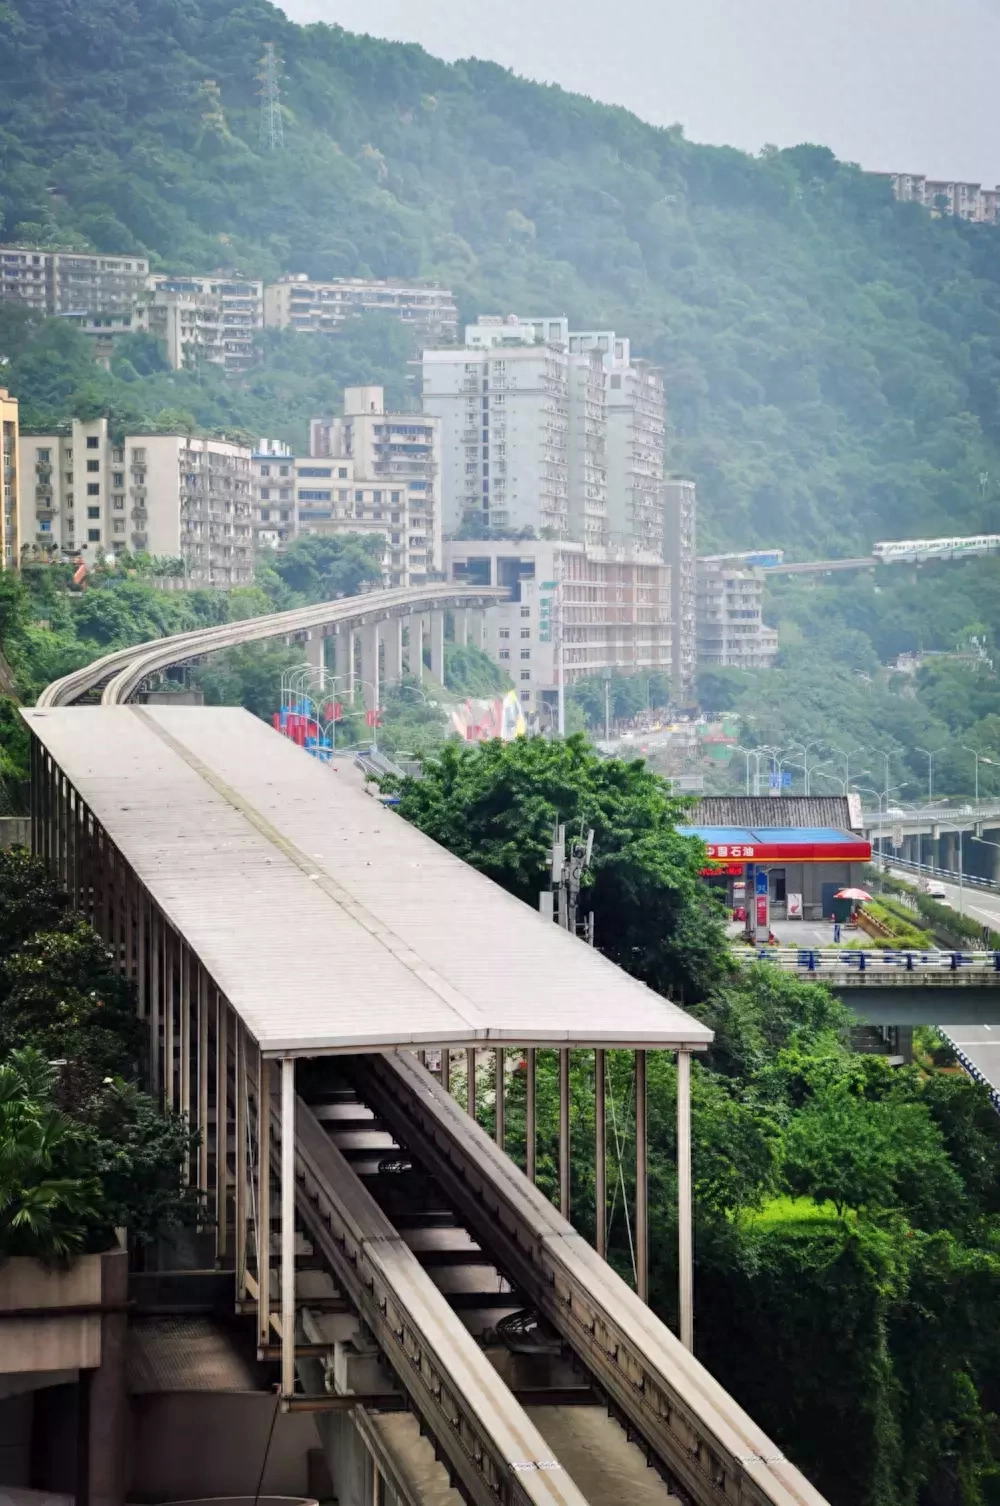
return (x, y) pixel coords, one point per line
(328, 922)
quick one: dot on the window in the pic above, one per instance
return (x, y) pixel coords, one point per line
(119, 525)
(525, 611)
(286, 494)
(69, 478)
(93, 512)
(282, 470)
(265, 470)
(92, 441)
(395, 496)
(342, 473)
(43, 456)
(139, 457)
(265, 514)
(310, 496)
(359, 496)
(94, 535)
(525, 674)
(118, 479)
(93, 467)
(309, 470)
(118, 503)
(504, 632)
(525, 632)
(526, 653)
(117, 457)
(505, 653)
(265, 493)
(93, 489)
(376, 496)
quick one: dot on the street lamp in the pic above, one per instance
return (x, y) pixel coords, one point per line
(980, 758)
(930, 754)
(806, 747)
(748, 753)
(374, 711)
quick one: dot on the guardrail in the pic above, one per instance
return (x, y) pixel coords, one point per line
(875, 966)
(931, 870)
(122, 672)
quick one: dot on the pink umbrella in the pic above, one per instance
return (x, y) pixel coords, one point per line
(852, 894)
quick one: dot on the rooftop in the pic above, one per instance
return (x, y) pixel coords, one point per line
(328, 922)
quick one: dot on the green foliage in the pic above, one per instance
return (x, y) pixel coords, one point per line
(470, 672)
(627, 696)
(495, 804)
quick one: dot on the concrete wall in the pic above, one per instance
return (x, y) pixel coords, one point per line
(15, 831)
(190, 1444)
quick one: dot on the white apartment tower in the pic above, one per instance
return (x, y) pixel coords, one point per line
(503, 404)
(680, 516)
(86, 494)
(382, 474)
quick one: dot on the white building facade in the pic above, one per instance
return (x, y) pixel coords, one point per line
(87, 495)
(731, 631)
(299, 303)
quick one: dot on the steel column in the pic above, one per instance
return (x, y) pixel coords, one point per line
(470, 1085)
(685, 1250)
(263, 1200)
(156, 1082)
(600, 1153)
(240, 1158)
(168, 1018)
(184, 1005)
(641, 1180)
(446, 1068)
(288, 1226)
(530, 1134)
(221, 1125)
(564, 1179)
(202, 987)
(499, 1095)
(141, 951)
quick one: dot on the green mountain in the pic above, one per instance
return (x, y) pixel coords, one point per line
(832, 357)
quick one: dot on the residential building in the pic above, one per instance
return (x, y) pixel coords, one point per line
(275, 520)
(163, 494)
(730, 625)
(966, 201)
(503, 405)
(680, 514)
(212, 319)
(573, 443)
(9, 474)
(297, 302)
(70, 282)
(383, 476)
(608, 608)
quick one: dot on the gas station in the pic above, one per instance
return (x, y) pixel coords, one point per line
(786, 871)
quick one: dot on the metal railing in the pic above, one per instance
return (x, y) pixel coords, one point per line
(932, 870)
(873, 965)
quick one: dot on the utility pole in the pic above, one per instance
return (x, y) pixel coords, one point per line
(272, 126)
(560, 903)
(607, 705)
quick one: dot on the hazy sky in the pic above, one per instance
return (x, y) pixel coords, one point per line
(903, 84)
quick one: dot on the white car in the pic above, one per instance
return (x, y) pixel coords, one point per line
(936, 890)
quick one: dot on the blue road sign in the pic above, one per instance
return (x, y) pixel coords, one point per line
(761, 886)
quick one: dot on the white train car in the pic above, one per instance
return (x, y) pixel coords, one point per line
(903, 550)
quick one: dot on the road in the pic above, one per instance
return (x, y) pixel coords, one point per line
(979, 1043)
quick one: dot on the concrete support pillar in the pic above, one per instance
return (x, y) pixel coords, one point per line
(470, 1081)
(500, 1096)
(392, 638)
(600, 1154)
(529, 1116)
(373, 666)
(288, 1226)
(316, 649)
(461, 628)
(642, 1179)
(477, 629)
(685, 1248)
(350, 667)
(415, 648)
(108, 1400)
(263, 1200)
(564, 1145)
(437, 646)
(995, 837)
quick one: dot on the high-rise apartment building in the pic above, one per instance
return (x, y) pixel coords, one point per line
(503, 405)
(573, 439)
(606, 608)
(9, 471)
(311, 307)
(730, 624)
(70, 282)
(87, 494)
(368, 471)
(212, 319)
(680, 515)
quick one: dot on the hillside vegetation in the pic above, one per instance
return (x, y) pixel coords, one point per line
(832, 357)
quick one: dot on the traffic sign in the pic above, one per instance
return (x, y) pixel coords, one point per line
(897, 836)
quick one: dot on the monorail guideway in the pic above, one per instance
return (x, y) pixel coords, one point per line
(461, 1268)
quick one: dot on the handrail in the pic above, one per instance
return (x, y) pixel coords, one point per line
(880, 963)
(122, 672)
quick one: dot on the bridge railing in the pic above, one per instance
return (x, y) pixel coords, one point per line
(825, 961)
(932, 870)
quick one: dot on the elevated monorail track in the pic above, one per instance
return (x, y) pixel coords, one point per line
(448, 1252)
(120, 674)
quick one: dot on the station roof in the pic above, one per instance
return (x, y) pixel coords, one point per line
(327, 921)
(795, 844)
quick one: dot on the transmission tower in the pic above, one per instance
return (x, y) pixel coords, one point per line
(272, 129)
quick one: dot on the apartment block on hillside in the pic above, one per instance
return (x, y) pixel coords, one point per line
(966, 201)
(310, 307)
(680, 524)
(9, 471)
(730, 625)
(86, 494)
(213, 319)
(70, 282)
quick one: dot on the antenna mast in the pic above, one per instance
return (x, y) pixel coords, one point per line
(272, 127)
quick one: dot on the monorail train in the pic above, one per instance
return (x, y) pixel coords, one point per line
(936, 549)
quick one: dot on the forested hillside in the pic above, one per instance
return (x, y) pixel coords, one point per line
(832, 358)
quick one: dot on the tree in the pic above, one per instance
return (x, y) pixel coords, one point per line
(495, 805)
